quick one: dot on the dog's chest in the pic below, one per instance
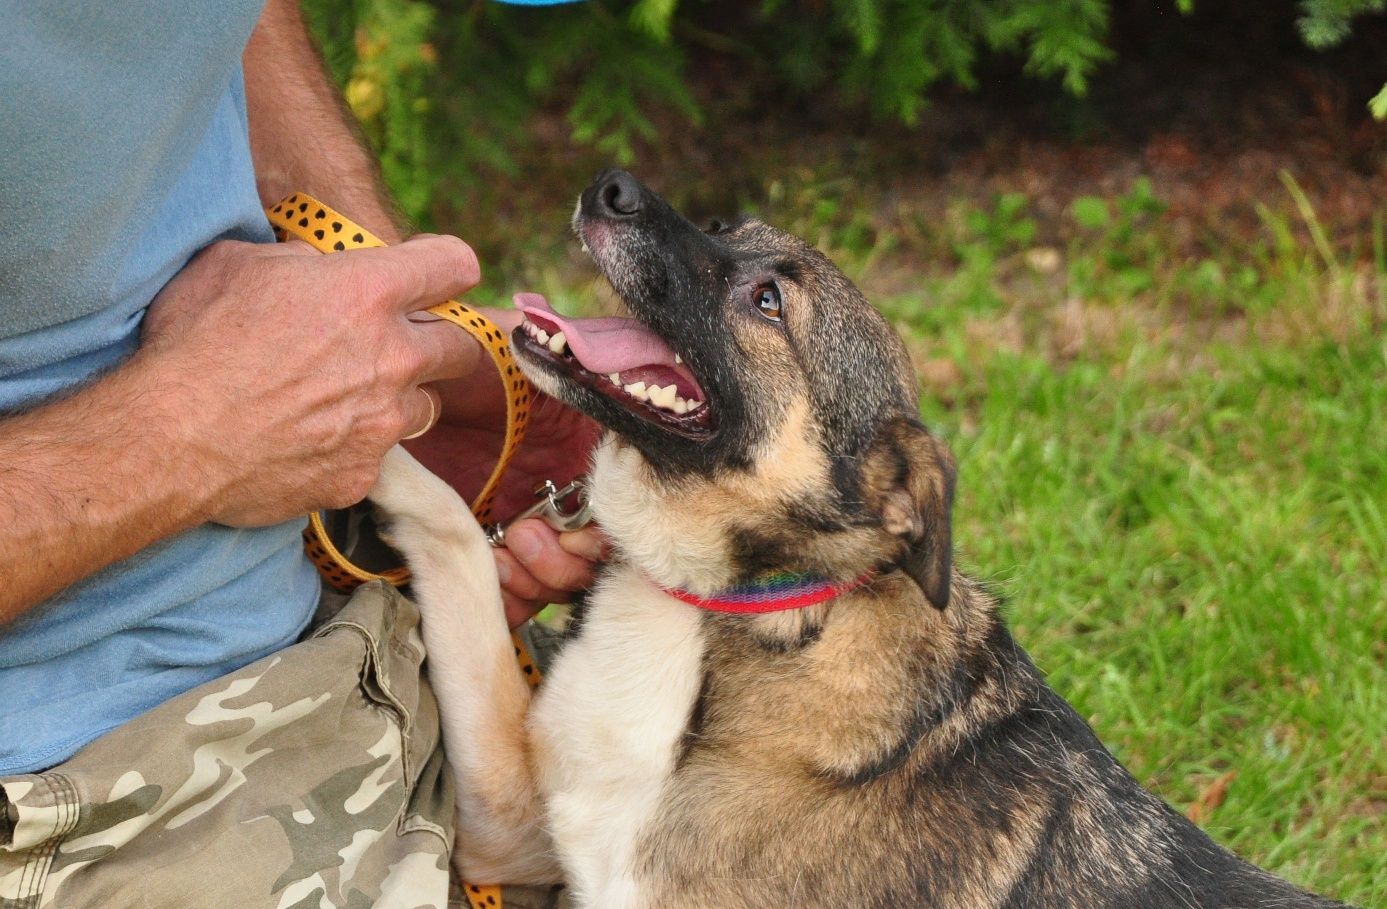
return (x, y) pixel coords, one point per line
(608, 726)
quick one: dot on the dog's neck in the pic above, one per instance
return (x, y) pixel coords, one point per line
(708, 538)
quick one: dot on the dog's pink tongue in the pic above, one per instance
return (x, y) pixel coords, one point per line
(603, 345)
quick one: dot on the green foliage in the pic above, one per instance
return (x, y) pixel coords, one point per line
(1378, 104)
(1181, 511)
(1325, 23)
(1091, 212)
(980, 241)
(379, 53)
(446, 91)
(466, 78)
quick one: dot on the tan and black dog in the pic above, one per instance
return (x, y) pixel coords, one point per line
(781, 692)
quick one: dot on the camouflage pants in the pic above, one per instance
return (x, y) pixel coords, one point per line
(311, 778)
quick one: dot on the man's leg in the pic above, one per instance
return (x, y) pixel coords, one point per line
(311, 778)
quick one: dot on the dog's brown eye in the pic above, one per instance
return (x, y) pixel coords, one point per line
(767, 299)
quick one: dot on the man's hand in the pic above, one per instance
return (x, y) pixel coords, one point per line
(289, 374)
(537, 565)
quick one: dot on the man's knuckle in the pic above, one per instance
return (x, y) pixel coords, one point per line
(390, 422)
(522, 584)
(454, 255)
(402, 425)
(219, 252)
(415, 362)
(561, 576)
(339, 497)
(373, 287)
(393, 371)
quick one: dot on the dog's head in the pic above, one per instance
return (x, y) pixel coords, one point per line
(762, 413)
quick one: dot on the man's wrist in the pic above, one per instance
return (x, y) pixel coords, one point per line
(168, 437)
(89, 480)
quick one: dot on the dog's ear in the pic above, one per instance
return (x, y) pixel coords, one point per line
(909, 483)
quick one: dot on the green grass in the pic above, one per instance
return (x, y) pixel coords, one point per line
(1197, 561)
(1173, 464)
(1175, 469)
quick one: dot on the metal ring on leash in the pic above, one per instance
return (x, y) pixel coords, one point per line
(550, 509)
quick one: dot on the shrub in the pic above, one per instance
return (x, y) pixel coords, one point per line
(441, 87)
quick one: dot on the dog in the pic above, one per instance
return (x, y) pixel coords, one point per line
(781, 691)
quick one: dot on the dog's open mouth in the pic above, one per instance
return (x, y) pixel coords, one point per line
(619, 358)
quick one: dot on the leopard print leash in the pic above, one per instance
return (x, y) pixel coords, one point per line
(328, 231)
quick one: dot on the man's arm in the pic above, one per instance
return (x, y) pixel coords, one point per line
(235, 409)
(227, 375)
(302, 137)
(79, 486)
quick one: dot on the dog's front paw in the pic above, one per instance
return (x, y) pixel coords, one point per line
(408, 495)
(415, 508)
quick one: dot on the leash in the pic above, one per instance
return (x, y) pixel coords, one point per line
(328, 231)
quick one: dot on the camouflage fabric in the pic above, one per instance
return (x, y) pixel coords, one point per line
(311, 778)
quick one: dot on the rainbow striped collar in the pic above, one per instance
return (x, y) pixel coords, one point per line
(773, 593)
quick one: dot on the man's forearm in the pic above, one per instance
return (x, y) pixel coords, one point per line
(87, 481)
(302, 137)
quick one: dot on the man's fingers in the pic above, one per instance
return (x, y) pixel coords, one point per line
(444, 349)
(587, 543)
(518, 581)
(536, 546)
(290, 247)
(421, 271)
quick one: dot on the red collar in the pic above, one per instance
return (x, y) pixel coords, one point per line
(774, 593)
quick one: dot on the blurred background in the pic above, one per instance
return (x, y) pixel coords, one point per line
(1137, 251)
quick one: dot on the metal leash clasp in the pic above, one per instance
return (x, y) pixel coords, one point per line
(550, 509)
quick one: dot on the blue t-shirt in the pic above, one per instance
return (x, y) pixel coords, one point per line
(125, 151)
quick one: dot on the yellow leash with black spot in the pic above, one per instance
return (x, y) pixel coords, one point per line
(326, 230)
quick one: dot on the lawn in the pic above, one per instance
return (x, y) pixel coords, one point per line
(1181, 488)
(1173, 465)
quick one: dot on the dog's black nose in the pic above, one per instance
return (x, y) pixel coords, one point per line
(617, 194)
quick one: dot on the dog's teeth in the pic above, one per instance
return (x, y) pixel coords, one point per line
(542, 336)
(681, 406)
(663, 397)
(558, 343)
(694, 405)
(636, 390)
(615, 379)
(678, 359)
